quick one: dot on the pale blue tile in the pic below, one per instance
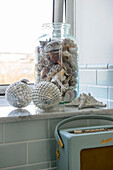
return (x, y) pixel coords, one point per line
(105, 77)
(72, 124)
(97, 66)
(99, 122)
(110, 93)
(27, 130)
(98, 91)
(1, 133)
(87, 76)
(82, 89)
(32, 167)
(52, 125)
(82, 66)
(54, 164)
(110, 103)
(41, 151)
(12, 155)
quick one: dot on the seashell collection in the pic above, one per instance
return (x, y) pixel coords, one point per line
(19, 94)
(86, 101)
(46, 95)
(56, 61)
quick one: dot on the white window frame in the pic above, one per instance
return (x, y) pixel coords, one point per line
(2, 89)
(70, 13)
(60, 8)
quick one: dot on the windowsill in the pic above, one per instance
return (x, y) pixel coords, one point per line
(11, 114)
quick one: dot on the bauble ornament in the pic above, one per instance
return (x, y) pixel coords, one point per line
(19, 94)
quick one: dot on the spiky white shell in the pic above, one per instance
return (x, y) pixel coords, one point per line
(86, 101)
(46, 95)
(18, 94)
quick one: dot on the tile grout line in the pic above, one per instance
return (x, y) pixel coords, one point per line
(18, 166)
(96, 76)
(48, 129)
(31, 164)
(87, 122)
(52, 162)
(3, 133)
(27, 152)
(49, 164)
(107, 93)
(34, 140)
(108, 103)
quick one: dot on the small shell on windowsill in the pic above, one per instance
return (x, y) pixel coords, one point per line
(86, 101)
(69, 95)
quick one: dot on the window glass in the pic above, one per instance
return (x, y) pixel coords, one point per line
(20, 25)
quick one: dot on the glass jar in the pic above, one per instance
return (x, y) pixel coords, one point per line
(56, 59)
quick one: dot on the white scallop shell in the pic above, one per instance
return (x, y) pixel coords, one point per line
(18, 94)
(46, 95)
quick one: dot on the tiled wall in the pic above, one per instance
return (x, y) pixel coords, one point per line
(98, 80)
(28, 145)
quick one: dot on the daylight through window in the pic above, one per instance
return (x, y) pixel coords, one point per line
(20, 25)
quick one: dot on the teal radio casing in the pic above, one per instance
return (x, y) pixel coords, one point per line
(69, 153)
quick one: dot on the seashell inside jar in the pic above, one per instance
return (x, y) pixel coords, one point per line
(56, 60)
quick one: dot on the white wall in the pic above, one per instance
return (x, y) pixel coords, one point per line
(94, 21)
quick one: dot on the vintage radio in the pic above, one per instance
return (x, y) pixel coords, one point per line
(88, 148)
